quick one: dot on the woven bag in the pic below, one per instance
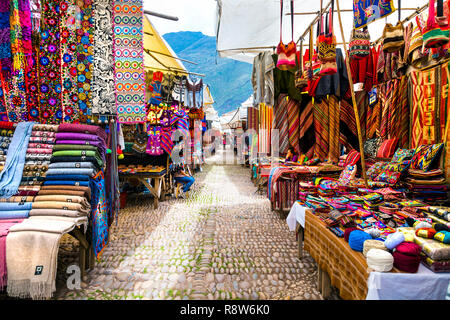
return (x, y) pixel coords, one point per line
(286, 53)
(393, 37)
(359, 46)
(326, 43)
(433, 35)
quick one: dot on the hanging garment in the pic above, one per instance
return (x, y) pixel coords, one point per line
(307, 134)
(102, 87)
(333, 154)
(321, 126)
(336, 84)
(293, 115)
(155, 88)
(347, 125)
(129, 61)
(281, 123)
(195, 93)
(99, 214)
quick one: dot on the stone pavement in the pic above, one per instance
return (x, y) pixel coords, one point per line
(222, 242)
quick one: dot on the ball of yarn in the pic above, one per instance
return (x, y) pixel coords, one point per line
(348, 231)
(440, 227)
(380, 260)
(426, 233)
(373, 244)
(443, 236)
(394, 239)
(407, 257)
(357, 238)
(375, 233)
(421, 225)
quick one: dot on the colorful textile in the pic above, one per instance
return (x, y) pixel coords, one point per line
(365, 12)
(103, 94)
(307, 133)
(387, 148)
(402, 155)
(333, 152)
(425, 155)
(5, 42)
(99, 214)
(69, 61)
(85, 42)
(4, 230)
(83, 128)
(31, 79)
(352, 158)
(129, 63)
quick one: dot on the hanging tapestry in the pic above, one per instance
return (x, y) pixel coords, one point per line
(31, 80)
(281, 123)
(373, 120)
(425, 97)
(50, 85)
(321, 125)
(21, 51)
(103, 95)
(293, 113)
(399, 115)
(99, 214)
(85, 33)
(367, 11)
(69, 61)
(129, 63)
(5, 41)
(307, 137)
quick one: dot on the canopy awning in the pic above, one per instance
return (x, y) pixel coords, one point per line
(158, 55)
(245, 28)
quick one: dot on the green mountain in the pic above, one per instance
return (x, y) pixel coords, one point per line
(229, 80)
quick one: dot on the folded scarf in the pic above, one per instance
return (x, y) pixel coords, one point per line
(77, 136)
(82, 128)
(33, 177)
(63, 147)
(18, 199)
(12, 206)
(5, 225)
(42, 140)
(12, 172)
(40, 145)
(69, 177)
(97, 162)
(78, 153)
(76, 165)
(34, 166)
(31, 256)
(77, 221)
(66, 183)
(30, 183)
(38, 157)
(56, 212)
(71, 171)
(39, 151)
(64, 198)
(65, 192)
(62, 206)
(29, 188)
(23, 193)
(99, 144)
(43, 134)
(14, 214)
(45, 127)
(7, 125)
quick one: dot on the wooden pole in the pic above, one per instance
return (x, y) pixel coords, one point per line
(355, 106)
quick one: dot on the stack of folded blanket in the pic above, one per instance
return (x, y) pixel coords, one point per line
(5, 225)
(427, 186)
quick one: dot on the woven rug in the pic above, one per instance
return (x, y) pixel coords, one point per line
(103, 95)
(333, 153)
(69, 61)
(85, 39)
(348, 131)
(293, 114)
(49, 71)
(321, 126)
(128, 51)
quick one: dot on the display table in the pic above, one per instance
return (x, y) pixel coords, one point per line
(347, 270)
(147, 178)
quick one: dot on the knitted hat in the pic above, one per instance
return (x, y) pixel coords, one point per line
(416, 41)
(393, 37)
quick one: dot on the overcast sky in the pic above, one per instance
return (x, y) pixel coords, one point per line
(193, 15)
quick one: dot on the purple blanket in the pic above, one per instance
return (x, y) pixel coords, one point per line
(78, 136)
(82, 128)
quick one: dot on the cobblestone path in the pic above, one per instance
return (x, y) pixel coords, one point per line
(222, 242)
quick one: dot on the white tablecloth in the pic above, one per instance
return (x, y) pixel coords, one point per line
(297, 214)
(423, 285)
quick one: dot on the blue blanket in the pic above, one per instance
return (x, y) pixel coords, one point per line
(69, 177)
(17, 214)
(13, 206)
(66, 183)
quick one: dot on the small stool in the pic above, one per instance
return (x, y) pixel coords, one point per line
(177, 189)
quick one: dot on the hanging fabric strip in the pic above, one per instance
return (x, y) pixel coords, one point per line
(32, 82)
(85, 33)
(69, 61)
(366, 12)
(50, 85)
(103, 96)
(129, 61)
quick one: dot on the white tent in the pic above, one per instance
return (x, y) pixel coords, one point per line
(247, 27)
